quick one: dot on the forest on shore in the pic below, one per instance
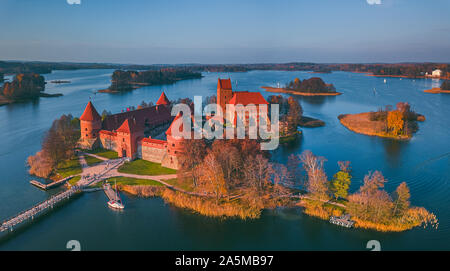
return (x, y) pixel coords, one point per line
(128, 80)
(311, 85)
(411, 70)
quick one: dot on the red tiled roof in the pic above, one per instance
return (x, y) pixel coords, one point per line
(107, 132)
(245, 98)
(154, 141)
(163, 99)
(224, 83)
(90, 114)
(151, 116)
(128, 126)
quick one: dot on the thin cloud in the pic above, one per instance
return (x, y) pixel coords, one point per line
(74, 2)
(374, 2)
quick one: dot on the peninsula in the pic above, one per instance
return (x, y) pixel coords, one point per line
(129, 80)
(400, 123)
(314, 86)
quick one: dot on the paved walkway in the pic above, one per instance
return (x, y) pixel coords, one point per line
(158, 178)
(82, 161)
(96, 156)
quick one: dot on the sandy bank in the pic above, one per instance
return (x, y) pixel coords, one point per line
(436, 91)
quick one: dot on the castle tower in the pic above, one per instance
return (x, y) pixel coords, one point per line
(90, 123)
(224, 92)
(174, 144)
(127, 138)
(163, 100)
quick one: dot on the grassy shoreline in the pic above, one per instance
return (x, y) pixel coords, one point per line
(241, 209)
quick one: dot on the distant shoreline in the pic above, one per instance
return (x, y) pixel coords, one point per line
(407, 77)
(293, 92)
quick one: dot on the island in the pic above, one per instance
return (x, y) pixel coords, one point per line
(226, 178)
(400, 123)
(445, 88)
(129, 80)
(24, 87)
(314, 86)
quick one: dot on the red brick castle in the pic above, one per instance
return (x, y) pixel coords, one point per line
(130, 133)
(126, 132)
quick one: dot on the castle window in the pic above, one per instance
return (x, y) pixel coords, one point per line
(86, 135)
(85, 129)
(173, 145)
(94, 134)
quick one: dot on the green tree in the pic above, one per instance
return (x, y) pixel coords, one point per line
(341, 181)
(340, 184)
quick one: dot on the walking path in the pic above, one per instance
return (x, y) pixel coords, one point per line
(95, 155)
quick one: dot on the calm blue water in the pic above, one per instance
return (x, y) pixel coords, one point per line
(150, 224)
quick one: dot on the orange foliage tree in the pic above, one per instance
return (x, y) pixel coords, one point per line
(395, 122)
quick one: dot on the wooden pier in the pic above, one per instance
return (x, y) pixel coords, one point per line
(343, 221)
(110, 193)
(50, 185)
(37, 209)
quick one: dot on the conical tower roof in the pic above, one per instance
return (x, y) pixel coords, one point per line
(163, 100)
(90, 114)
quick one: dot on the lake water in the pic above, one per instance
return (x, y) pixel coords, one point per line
(150, 224)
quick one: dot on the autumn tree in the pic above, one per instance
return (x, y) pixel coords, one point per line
(281, 180)
(341, 180)
(194, 152)
(395, 122)
(401, 200)
(230, 161)
(317, 183)
(211, 177)
(371, 202)
(257, 172)
(58, 145)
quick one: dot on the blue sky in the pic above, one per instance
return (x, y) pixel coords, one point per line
(195, 31)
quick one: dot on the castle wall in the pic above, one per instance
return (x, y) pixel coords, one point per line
(170, 161)
(108, 140)
(151, 152)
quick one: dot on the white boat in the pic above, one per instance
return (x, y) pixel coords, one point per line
(385, 81)
(115, 204)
